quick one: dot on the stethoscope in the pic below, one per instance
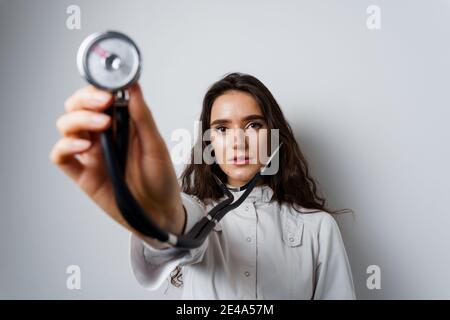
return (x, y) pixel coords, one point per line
(111, 61)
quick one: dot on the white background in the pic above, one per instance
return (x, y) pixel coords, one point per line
(369, 108)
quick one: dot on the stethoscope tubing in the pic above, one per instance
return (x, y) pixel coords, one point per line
(114, 142)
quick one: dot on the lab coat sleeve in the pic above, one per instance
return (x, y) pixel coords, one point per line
(152, 266)
(333, 277)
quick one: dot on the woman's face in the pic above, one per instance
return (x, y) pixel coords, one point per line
(236, 135)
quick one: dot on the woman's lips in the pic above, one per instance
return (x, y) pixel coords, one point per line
(240, 160)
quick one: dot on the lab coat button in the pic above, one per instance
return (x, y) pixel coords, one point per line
(247, 273)
(249, 239)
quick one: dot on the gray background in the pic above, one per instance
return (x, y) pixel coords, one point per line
(370, 109)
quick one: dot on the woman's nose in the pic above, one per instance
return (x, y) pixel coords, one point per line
(239, 139)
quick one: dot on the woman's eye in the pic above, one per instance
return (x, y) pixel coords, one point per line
(221, 129)
(255, 125)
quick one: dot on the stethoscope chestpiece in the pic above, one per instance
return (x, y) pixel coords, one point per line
(109, 60)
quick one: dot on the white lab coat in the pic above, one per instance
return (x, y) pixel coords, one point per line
(258, 251)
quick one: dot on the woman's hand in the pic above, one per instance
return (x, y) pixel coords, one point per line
(150, 175)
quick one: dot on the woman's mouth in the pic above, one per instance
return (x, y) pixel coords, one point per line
(240, 160)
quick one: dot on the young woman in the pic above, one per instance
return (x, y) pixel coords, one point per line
(281, 243)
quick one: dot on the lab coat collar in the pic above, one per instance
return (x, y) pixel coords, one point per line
(259, 194)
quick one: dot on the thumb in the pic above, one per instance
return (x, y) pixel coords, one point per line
(142, 117)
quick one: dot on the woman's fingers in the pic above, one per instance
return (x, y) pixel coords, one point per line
(68, 147)
(89, 98)
(64, 152)
(73, 123)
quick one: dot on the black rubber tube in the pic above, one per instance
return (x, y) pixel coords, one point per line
(128, 206)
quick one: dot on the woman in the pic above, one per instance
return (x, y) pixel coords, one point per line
(281, 243)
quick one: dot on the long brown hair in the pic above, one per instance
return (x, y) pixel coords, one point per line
(292, 184)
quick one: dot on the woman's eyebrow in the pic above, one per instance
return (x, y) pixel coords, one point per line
(247, 118)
